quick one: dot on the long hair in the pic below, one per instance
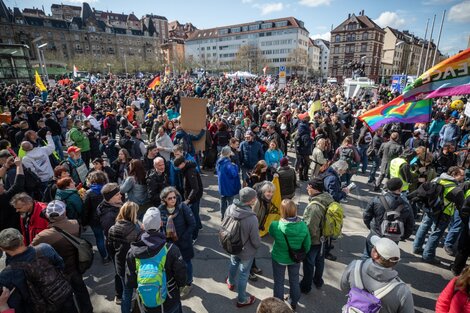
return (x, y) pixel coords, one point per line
(463, 281)
(259, 166)
(128, 212)
(136, 169)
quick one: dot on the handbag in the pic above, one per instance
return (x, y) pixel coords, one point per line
(297, 255)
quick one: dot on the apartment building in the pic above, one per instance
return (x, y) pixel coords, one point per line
(324, 46)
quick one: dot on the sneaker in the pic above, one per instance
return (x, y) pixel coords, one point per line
(253, 277)
(248, 301)
(449, 251)
(330, 257)
(230, 286)
(256, 270)
(106, 260)
(418, 251)
(432, 261)
(117, 300)
(184, 291)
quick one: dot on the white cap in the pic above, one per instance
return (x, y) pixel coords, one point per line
(386, 248)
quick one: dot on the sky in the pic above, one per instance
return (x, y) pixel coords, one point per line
(318, 15)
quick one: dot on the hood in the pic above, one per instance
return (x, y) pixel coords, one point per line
(380, 273)
(290, 227)
(148, 245)
(240, 211)
(189, 165)
(447, 177)
(223, 161)
(324, 198)
(66, 192)
(96, 188)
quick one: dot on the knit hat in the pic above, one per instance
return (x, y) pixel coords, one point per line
(284, 161)
(386, 248)
(111, 193)
(394, 184)
(316, 183)
(247, 194)
(226, 151)
(152, 219)
(55, 208)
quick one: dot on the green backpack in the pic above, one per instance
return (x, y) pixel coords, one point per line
(332, 222)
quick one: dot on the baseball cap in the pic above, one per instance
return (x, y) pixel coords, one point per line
(55, 208)
(386, 248)
(152, 219)
(73, 149)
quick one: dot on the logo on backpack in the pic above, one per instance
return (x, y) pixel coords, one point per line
(151, 279)
(230, 235)
(332, 222)
(392, 226)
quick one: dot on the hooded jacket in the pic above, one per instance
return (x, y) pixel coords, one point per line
(332, 184)
(37, 160)
(193, 188)
(155, 184)
(227, 177)
(148, 246)
(249, 228)
(314, 213)
(374, 276)
(388, 151)
(93, 198)
(449, 133)
(107, 213)
(36, 223)
(451, 300)
(73, 203)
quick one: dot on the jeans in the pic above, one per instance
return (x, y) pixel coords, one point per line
(99, 238)
(346, 178)
(313, 266)
(189, 272)
(81, 293)
(278, 276)
(438, 227)
(364, 158)
(195, 208)
(455, 226)
(126, 302)
(434, 142)
(244, 266)
(58, 146)
(225, 201)
(375, 166)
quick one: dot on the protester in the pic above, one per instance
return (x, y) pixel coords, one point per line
(454, 297)
(287, 179)
(227, 178)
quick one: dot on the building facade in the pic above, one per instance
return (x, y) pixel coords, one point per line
(313, 60)
(324, 46)
(356, 41)
(249, 46)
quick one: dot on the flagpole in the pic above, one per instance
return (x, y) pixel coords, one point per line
(429, 45)
(422, 49)
(438, 38)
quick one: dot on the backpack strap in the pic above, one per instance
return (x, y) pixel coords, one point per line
(384, 203)
(358, 274)
(382, 292)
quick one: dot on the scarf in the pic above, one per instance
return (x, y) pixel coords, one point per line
(96, 188)
(170, 226)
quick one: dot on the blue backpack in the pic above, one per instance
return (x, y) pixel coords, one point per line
(360, 300)
(151, 279)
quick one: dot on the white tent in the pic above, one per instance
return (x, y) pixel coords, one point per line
(241, 74)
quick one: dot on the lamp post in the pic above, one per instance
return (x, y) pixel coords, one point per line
(40, 49)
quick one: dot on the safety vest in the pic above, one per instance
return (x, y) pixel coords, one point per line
(467, 194)
(395, 166)
(449, 207)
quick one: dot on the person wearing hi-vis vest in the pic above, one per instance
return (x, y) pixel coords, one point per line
(463, 248)
(400, 168)
(453, 200)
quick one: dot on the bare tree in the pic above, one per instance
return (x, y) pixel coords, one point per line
(298, 60)
(249, 57)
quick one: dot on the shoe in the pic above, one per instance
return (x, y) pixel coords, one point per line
(256, 270)
(418, 251)
(248, 302)
(376, 189)
(432, 261)
(289, 301)
(117, 300)
(253, 277)
(330, 257)
(230, 286)
(184, 291)
(106, 260)
(449, 251)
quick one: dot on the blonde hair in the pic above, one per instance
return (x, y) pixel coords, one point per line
(288, 208)
(128, 212)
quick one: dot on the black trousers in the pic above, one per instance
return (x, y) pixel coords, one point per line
(81, 293)
(463, 248)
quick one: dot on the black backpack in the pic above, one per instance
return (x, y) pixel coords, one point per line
(431, 195)
(84, 249)
(230, 235)
(48, 288)
(31, 183)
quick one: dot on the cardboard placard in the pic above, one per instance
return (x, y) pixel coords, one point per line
(193, 119)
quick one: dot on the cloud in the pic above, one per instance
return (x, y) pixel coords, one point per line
(325, 36)
(247, 1)
(460, 12)
(391, 19)
(269, 8)
(314, 3)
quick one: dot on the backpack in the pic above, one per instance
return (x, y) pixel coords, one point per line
(68, 141)
(431, 194)
(392, 226)
(360, 300)
(332, 222)
(84, 248)
(230, 235)
(347, 154)
(31, 182)
(151, 279)
(48, 288)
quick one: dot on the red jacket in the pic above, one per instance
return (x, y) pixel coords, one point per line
(36, 223)
(452, 301)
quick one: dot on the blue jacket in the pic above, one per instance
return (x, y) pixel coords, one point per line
(332, 184)
(250, 153)
(176, 177)
(449, 133)
(15, 278)
(227, 176)
(436, 126)
(187, 140)
(273, 157)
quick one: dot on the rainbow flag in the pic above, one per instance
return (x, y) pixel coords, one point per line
(451, 77)
(39, 82)
(154, 82)
(399, 111)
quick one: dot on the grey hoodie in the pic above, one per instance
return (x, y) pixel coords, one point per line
(37, 160)
(249, 228)
(374, 276)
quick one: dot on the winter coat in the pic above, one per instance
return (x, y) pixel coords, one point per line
(185, 224)
(148, 246)
(374, 214)
(314, 213)
(120, 237)
(303, 140)
(297, 234)
(222, 138)
(155, 184)
(193, 188)
(8, 216)
(250, 153)
(287, 181)
(451, 300)
(375, 277)
(249, 228)
(80, 139)
(36, 223)
(449, 133)
(227, 177)
(332, 183)
(273, 157)
(93, 198)
(37, 160)
(388, 151)
(73, 202)
(165, 146)
(110, 150)
(134, 191)
(107, 214)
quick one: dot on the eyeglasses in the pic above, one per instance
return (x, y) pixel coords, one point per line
(171, 198)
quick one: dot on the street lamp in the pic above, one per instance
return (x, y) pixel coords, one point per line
(40, 53)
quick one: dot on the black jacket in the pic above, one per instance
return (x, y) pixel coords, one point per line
(148, 246)
(193, 188)
(55, 128)
(374, 214)
(90, 204)
(155, 184)
(120, 237)
(287, 180)
(8, 216)
(107, 214)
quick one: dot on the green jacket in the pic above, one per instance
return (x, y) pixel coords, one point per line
(313, 215)
(297, 234)
(80, 139)
(73, 203)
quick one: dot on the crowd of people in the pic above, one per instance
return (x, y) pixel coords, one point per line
(113, 157)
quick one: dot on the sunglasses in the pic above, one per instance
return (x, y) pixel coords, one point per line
(171, 198)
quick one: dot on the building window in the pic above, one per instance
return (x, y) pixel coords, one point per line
(337, 38)
(352, 26)
(281, 24)
(253, 27)
(235, 30)
(266, 25)
(350, 37)
(363, 47)
(223, 31)
(365, 36)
